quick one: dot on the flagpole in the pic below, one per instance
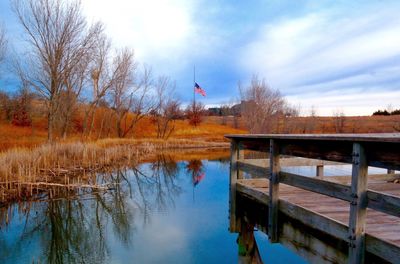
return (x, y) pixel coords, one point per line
(194, 83)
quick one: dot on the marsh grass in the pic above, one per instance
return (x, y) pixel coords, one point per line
(72, 165)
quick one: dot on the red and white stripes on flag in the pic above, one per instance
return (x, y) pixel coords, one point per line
(199, 90)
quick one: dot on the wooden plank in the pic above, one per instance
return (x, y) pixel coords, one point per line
(290, 162)
(310, 218)
(382, 249)
(258, 171)
(384, 152)
(300, 210)
(385, 203)
(358, 206)
(371, 137)
(332, 189)
(253, 193)
(314, 220)
(273, 191)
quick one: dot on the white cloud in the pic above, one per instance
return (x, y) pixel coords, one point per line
(353, 55)
(156, 29)
(353, 102)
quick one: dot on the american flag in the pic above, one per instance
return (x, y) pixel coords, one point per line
(199, 90)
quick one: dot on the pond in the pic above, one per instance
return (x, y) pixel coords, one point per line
(164, 211)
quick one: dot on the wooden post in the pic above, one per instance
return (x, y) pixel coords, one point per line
(273, 191)
(320, 171)
(235, 174)
(358, 205)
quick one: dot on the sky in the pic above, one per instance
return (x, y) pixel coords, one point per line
(328, 55)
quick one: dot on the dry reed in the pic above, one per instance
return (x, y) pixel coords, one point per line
(24, 172)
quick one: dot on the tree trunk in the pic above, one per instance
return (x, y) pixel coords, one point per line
(50, 126)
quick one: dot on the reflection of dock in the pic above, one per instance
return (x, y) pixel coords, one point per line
(369, 204)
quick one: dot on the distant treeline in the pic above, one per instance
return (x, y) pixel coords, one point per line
(386, 112)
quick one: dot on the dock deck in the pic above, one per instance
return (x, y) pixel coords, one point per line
(360, 209)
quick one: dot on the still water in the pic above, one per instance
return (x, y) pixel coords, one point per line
(159, 212)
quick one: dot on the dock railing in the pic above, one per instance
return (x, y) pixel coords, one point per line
(361, 151)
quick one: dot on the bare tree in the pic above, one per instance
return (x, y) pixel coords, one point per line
(103, 73)
(121, 93)
(261, 106)
(3, 44)
(129, 94)
(73, 84)
(225, 112)
(339, 120)
(142, 103)
(22, 108)
(195, 112)
(167, 107)
(310, 122)
(6, 106)
(58, 37)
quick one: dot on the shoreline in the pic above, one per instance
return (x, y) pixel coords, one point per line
(25, 173)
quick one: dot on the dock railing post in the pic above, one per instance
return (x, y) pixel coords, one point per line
(273, 207)
(320, 171)
(358, 205)
(236, 154)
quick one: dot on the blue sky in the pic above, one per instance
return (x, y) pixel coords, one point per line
(333, 55)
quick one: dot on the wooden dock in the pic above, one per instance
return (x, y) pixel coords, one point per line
(361, 210)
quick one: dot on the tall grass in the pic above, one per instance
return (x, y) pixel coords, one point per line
(24, 172)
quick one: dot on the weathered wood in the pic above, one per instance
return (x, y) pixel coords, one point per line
(371, 177)
(332, 189)
(304, 202)
(371, 137)
(248, 250)
(319, 171)
(327, 214)
(290, 162)
(310, 218)
(383, 149)
(297, 240)
(253, 193)
(236, 153)
(256, 170)
(315, 220)
(273, 191)
(385, 203)
(240, 156)
(358, 205)
(382, 249)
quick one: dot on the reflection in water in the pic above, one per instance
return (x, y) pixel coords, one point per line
(71, 230)
(195, 168)
(247, 245)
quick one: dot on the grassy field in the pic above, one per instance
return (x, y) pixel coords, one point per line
(30, 137)
(29, 165)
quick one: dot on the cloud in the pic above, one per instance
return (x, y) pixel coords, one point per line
(336, 50)
(158, 30)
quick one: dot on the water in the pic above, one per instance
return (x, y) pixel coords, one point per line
(160, 212)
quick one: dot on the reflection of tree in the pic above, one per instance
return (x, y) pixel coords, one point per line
(157, 187)
(195, 168)
(73, 229)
